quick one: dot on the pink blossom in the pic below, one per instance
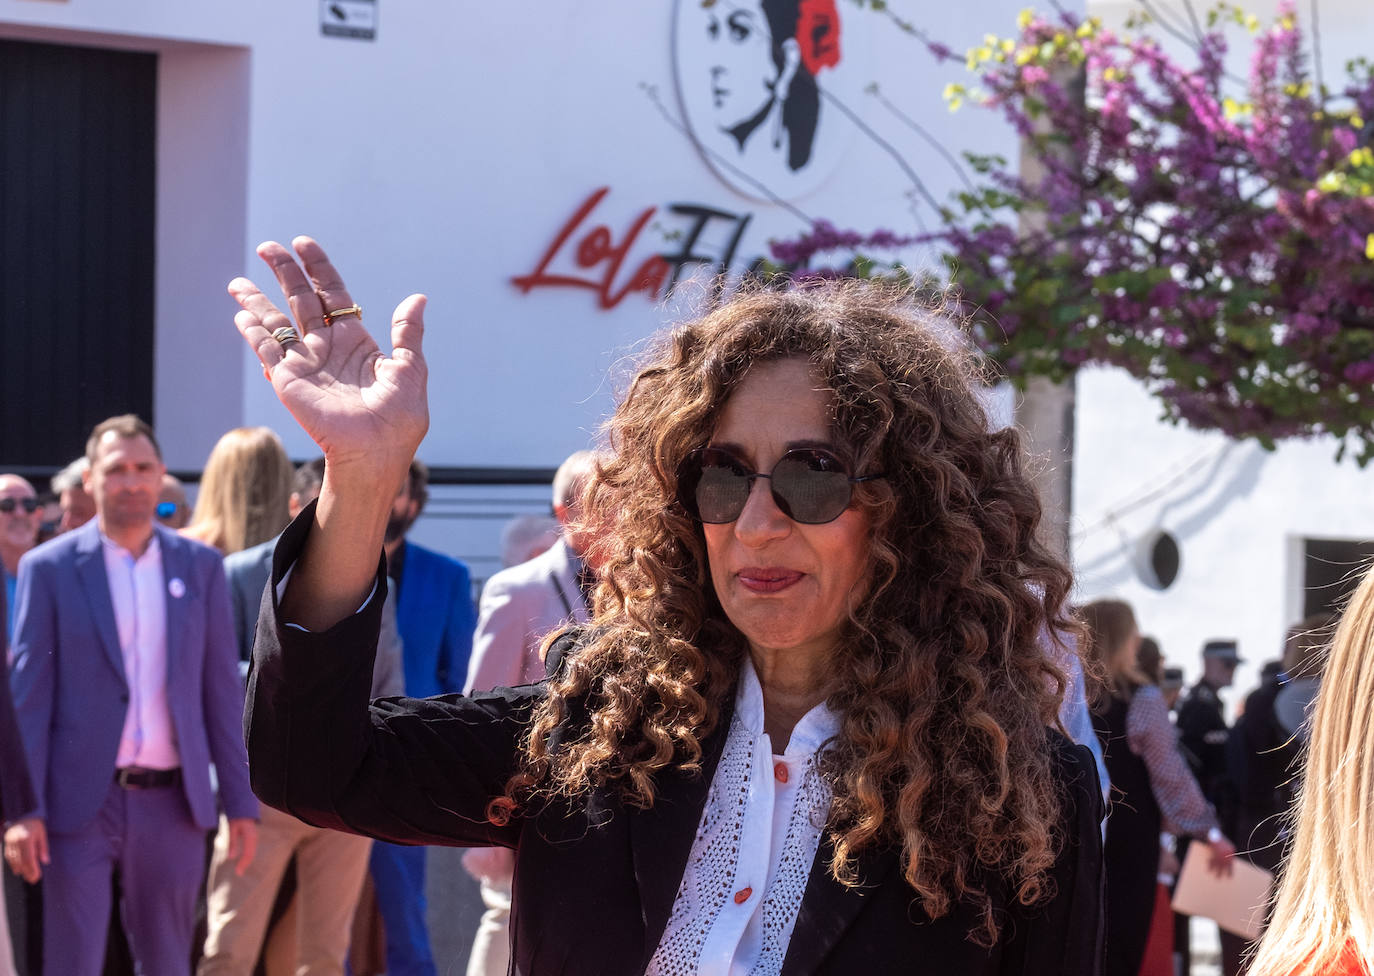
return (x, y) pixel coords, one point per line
(1195, 250)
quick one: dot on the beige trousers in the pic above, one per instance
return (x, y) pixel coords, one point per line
(491, 945)
(330, 867)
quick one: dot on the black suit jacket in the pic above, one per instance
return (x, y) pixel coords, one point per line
(16, 788)
(595, 881)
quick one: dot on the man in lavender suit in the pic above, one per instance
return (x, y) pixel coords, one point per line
(126, 686)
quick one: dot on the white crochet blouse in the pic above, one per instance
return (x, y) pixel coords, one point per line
(753, 850)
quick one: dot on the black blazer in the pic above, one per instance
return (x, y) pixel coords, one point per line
(595, 882)
(16, 788)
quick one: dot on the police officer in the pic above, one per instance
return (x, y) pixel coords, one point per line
(1202, 734)
(1202, 727)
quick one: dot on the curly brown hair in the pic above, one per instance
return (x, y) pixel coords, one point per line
(944, 684)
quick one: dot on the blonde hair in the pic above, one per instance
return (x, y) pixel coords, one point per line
(1304, 649)
(245, 492)
(1325, 901)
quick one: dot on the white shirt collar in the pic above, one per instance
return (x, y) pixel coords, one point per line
(815, 728)
(154, 546)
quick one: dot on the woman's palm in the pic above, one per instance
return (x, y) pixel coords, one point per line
(353, 401)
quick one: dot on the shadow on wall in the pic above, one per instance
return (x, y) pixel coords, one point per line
(1234, 474)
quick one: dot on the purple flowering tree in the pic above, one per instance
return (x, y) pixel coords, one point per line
(1211, 234)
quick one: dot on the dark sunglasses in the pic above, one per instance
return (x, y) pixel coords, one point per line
(166, 510)
(8, 505)
(809, 486)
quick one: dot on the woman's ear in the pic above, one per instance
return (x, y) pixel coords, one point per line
(791, 61)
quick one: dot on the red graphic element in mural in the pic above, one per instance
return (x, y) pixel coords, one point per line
(597, 249)
(818, 34)
(597, 252)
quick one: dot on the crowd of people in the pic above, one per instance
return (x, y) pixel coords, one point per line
(786, 683)
(248, 493)
(1183, 775)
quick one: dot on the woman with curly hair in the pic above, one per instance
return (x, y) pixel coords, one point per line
(809, 728)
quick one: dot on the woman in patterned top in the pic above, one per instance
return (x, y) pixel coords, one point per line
(809, 729)
(1153, 790)
(1323, 919)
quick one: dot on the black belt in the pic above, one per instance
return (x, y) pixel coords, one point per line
(134, 778)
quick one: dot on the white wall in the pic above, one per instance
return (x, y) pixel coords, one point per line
(1239, 514)
(443, 157)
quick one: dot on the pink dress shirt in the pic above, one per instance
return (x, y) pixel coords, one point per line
(139, 594)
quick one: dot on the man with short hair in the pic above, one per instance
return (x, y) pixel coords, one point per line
(68, 485)
(435, 616)
(126, 689)
(20, 519)
(519, 606)
(330, 866)
(1171, 686)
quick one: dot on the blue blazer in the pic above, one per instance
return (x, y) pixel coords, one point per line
(436, 618)
(71, 695)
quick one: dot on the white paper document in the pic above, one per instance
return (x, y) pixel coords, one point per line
(1236, 903)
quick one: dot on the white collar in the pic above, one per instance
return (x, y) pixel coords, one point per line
(815, 728)
(154, 546)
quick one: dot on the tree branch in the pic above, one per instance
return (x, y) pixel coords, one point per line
(891, 150)
(1317, 52)
(930, 139)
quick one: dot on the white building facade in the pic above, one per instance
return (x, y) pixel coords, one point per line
(560, 179)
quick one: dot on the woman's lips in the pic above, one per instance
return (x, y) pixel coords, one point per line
(768, 579)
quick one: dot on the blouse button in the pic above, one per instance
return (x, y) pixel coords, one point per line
(742, 895)
(780, 772)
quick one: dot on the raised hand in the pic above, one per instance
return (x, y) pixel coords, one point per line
(367, 412)
(356, 403)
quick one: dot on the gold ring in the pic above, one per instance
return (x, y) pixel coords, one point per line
(339, 313)
(286, 335)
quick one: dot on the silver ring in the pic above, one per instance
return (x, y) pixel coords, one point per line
(286, 335)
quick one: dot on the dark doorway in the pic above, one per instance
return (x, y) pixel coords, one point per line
(1332, 569)
(77, 183)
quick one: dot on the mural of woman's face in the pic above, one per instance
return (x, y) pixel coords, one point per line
(743, 74)
(746, 78)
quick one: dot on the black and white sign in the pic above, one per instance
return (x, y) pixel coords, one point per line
(764, 85)
(349, 18)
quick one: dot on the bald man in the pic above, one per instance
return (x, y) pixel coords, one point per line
(20, 519)
(519, 606)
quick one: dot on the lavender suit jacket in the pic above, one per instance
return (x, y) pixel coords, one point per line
(70, 691)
